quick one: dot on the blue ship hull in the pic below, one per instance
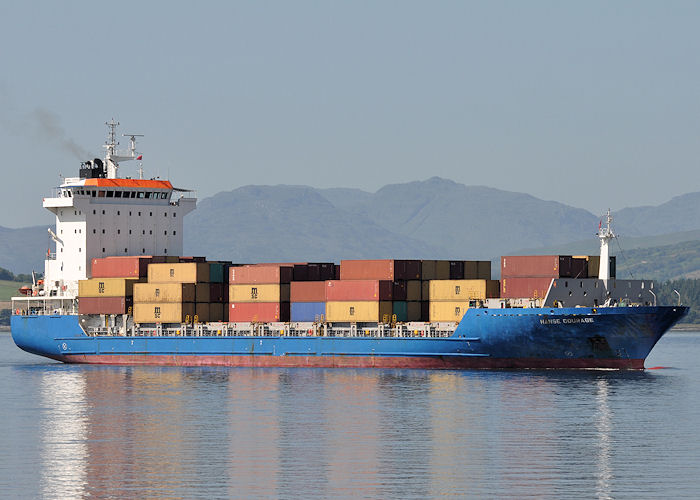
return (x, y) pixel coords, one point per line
(485, 338)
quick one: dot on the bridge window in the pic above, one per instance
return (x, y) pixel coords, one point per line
(110, 194)
(141, 194)
(148, 195)
(118, 194)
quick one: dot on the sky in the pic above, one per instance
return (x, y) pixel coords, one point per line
(594, 104)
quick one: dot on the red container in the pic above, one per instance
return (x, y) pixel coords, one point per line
(121, 267)
(358, 290)
(307, 291)
(524, 288)
(382, 269)
(551, 266)
(261, 273)
(104, 305)
(258, 311)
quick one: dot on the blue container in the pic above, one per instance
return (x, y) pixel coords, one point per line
(308, 311)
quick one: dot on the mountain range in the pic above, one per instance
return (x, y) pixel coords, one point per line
(435, 218)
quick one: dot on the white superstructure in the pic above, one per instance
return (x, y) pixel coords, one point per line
(605, 234)
(100, 215)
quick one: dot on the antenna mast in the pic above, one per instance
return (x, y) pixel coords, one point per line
(605, 234)
(112, 158)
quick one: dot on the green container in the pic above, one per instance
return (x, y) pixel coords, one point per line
(400, 309)
(216, 272)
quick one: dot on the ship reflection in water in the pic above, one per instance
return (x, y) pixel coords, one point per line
(135, 432)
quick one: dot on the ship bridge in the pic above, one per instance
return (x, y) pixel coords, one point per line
(101, 215)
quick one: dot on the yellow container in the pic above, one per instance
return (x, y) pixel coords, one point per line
(164, 312)
(448, 311)
(164, 292)
(181, 272)
(258, 293)
(369, 311)
(462, 290)
(107, 287)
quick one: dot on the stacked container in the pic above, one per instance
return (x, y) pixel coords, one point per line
(449, 299)
(106, 295)
(529, 276)
(259, 293)
(593, 265)
(361, 301)
(308, 300)
(178, 292)
(433, 309)
(406, 295)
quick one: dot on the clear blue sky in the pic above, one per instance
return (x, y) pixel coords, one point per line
(591, 103)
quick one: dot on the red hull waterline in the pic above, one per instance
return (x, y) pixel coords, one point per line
(426, 363)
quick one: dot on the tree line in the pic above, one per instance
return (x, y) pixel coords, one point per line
(6, 275)
(689, 290)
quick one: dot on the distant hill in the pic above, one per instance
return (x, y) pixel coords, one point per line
(435, 218)
(289, 223)
(681, 213)
(471, 221)
(23, 250)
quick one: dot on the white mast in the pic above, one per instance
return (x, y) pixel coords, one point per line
(605, 234)
(112, 158)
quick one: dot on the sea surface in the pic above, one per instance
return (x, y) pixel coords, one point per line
(71, 431)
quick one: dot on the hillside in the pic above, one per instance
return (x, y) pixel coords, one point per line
(473, 221)
(288, 223)
(435, 218)
(22, 250)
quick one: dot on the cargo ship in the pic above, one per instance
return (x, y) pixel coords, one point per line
(117, 290)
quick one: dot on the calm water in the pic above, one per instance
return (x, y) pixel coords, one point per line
(129, 432)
